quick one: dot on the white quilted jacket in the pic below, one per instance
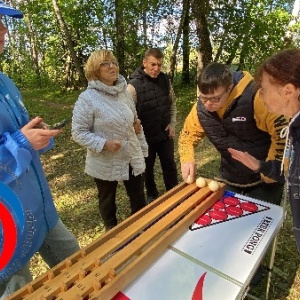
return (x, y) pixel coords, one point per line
(102, 113)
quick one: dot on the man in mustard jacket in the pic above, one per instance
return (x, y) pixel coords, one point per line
(231, 114)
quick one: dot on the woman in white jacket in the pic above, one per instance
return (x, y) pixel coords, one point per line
(105, 122)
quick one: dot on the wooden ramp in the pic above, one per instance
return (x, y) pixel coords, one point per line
(116, 258)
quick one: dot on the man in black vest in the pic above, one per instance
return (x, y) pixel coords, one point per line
(156, 107)
(231, 114)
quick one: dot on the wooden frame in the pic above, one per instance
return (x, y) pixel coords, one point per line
(116, 258)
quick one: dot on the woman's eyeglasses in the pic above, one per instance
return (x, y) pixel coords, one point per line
(108, 64)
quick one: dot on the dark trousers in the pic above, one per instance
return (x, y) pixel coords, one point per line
(269, 192)
(295, 209)
(165, 152)
(107, 197)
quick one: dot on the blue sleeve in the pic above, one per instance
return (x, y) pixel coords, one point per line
(16, 153)
(50, 146)
(14, 159)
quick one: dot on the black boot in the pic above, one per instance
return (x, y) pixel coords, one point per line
(109, 224)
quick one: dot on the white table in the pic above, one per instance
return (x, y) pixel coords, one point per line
(214, 261)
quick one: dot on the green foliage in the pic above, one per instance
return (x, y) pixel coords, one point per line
(251, 31)
(241, 32)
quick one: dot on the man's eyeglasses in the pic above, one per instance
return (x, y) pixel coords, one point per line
(212, 99)
(107, 64)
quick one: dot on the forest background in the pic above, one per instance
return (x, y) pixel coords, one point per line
(47, 51)
(51, 44)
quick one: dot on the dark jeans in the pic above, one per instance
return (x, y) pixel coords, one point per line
(107, 197)
(165, 152)
(269, 192)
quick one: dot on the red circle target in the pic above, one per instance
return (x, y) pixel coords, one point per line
(234, 211)
(218, 205)
(218, 215)
(232, 201)
(248, 206)
(204, 220)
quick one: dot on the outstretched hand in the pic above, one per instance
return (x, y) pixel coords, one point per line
(188, 171)
(245, 158)
(39, 138)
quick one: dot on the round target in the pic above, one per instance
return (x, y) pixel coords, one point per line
(233, 201)
(218, 215)
(12, 223)
(248, 206)
(204, 220)
(218, 205)
(234, 211)
(9, 236)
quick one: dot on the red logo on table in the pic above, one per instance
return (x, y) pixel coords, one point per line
(120, 296)
(226, 209)
(197, 294)
(198, 291)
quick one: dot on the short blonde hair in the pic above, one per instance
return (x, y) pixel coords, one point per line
(93, 63)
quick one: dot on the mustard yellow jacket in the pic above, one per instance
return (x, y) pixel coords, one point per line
(192, 132)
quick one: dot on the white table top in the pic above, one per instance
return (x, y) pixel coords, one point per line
(212, 261)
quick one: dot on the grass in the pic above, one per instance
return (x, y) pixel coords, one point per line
(76, 199)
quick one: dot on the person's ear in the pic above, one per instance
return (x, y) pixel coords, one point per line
(289, 90)
(230, 87)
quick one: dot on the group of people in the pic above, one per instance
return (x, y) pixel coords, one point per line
(124, 126)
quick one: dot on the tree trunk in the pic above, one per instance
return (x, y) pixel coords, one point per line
(244, 51)
(200, 11)
(225, 34)
(68, 70)
(70, 43)
(185, 9)
(234, 48)
(145, 26)
(185, 77)
(120, 32)
(34, 52)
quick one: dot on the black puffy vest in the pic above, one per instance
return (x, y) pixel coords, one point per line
(237, 130)
(153, 104)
